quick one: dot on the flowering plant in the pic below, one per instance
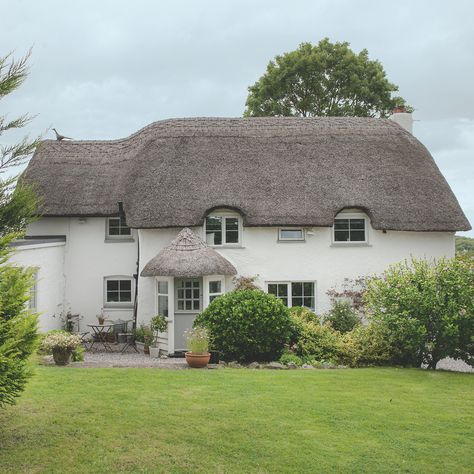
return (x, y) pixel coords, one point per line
(197, 340)
(60, 340)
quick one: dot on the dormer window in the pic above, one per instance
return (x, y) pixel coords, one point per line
(350, 228)
(117, 228)
(222, 229)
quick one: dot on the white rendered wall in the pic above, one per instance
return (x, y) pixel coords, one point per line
(48, 260)
(316, 259)
(88, 259)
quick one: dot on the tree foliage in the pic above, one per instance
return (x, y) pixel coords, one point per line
(327, 79)
(18, 326)
(465, 246)
(427, 309)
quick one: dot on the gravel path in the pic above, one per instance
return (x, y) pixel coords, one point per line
(132, 359)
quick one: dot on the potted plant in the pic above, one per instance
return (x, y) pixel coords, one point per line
(143, 338)
(157, 324)
(61, 344)
(198, 354)
(100, 318)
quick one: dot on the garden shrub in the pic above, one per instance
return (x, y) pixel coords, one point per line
(288, 357)
(365, 345)
(342, 316)
(313, 339)
(247, 325)
(427, 309)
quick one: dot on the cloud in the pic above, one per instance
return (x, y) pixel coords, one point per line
(105, 69)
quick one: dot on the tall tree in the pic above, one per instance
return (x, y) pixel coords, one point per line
(328, 79)
(18, 326)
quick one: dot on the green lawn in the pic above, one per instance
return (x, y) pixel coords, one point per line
(147, 420)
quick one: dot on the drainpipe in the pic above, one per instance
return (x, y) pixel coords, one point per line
(135, 275)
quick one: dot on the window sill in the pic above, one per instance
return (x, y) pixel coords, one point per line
(118, 306)
(289, 241)
(115, 241)
(350, 244)
(226, 246)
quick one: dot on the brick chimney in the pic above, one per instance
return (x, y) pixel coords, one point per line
(403, 118)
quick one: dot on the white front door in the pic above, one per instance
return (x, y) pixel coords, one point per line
(188, 304)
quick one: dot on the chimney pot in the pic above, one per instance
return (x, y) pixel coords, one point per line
(399, 109)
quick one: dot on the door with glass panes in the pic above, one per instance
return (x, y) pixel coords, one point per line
(188, 303)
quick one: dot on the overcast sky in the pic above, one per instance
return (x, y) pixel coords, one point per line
(104, 69)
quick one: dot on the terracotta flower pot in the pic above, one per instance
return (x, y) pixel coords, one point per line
(62, 356)
(197, 361)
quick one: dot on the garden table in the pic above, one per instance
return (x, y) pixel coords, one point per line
(101, 331)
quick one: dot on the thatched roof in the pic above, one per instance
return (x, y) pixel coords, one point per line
(188, 256)
(275, 171)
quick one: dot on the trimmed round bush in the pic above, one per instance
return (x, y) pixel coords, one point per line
(247, 325)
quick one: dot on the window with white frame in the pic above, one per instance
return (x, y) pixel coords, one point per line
(350, 229)
(33, 300)
(118, 290)
(291, 235)
(294, 293)
(222, 229)
(117, 228)
(163, 298)
(188, 295)
(215, 289)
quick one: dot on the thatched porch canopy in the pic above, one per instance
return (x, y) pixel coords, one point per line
(188, 256)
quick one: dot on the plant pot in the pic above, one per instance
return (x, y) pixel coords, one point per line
(62, 356)
(197, 361)
(154, 352)
(140, 346)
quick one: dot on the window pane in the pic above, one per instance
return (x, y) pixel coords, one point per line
(125, 284)
(112, 296)
(196, 284)
(341, 235)
(308, 289)
(114, 231)
(231, 237)
(187, 304)
(291, 234)
(195, 294)
(283, 290)
(163, 305)
(196, 304)
(188, 294)
(125, 296)
(188, 284)
(180, 293)
(112, 285)
(213, 297)
(163, 287)
(297, 301)
(285, 301)
(214, 223)
(232, 223)
(297, 289)
(214, 287)
(180, 305)
(309, 302)
(341, 224)
(272, 289)
(357, 235)
(357, 224)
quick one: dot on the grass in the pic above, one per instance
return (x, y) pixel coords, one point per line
(225, 421)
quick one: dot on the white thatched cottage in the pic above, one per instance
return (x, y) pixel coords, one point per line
(162, 220)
